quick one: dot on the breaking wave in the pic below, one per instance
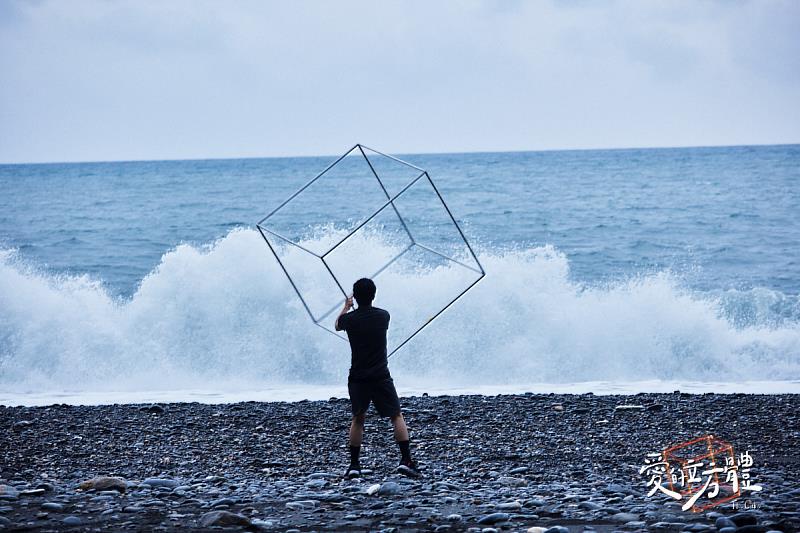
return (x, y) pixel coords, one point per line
(224, 317)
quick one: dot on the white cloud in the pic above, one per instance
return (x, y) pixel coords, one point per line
(92, 79)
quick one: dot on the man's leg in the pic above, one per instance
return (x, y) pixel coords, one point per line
(401, 437)
(400, 429)
(357, 431)
(359, 402)
(356, 436)
(388, 404)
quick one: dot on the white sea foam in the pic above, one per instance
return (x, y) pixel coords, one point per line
(224, 319)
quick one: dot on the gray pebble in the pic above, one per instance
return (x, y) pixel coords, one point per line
(509, 506)
(494, 518)
(224, 518)
(625, 517)
(390, 488)
(323, 475)
(7, 492)
(616, 487)
(316, 484)
(751, 528)
(724, 521)
(223, 501)
(132, 509)
(744, 519)
(589, 506)
(160, 482)
(52, 506)
(301, 505)
(511, 481)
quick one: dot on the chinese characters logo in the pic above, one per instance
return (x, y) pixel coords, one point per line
(704, 472)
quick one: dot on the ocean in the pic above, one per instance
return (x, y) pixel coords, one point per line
(606, 271)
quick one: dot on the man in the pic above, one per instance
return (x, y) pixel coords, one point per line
(369, 379)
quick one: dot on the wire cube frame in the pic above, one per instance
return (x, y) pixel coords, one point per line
(421, 174)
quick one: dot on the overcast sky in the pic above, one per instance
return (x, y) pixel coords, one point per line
(111, 80)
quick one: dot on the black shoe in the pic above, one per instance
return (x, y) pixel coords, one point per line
(408, 468)
(353, 471)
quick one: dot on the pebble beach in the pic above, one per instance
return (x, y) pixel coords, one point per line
(530, 462)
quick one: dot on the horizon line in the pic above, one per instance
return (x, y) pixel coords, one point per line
(545, 150)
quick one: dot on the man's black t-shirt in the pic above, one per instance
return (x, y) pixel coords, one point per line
(366, 328)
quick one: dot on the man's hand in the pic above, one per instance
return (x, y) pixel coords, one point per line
(348, 303)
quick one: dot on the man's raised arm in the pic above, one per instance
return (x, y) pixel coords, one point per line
(348, 304)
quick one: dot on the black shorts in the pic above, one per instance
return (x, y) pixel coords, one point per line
(380, 392)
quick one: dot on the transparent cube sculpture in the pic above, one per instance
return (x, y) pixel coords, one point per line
(388, 222)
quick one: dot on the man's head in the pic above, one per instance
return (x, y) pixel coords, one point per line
(364, 291)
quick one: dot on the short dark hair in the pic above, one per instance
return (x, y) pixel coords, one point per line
(364, 291)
